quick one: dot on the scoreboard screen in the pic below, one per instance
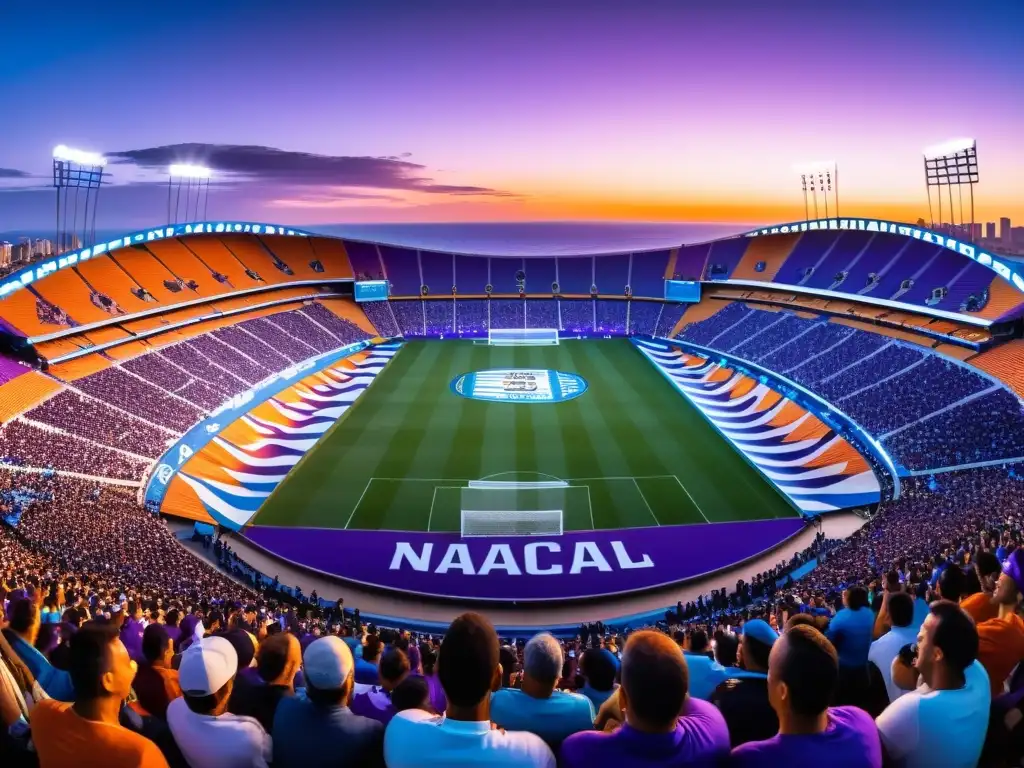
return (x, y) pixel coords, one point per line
(687, 291)
(371, 290)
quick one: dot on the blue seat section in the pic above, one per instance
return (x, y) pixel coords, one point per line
(575, 274)
(970, 280)
(911, 259)
(724, 256)
(577, 315)
(541, 313)
(503, 274)
(611, 316)
(365, 261)
(855, 346)
(440, 314)
(706, 330)
(783, 327)
(647, 276)
(471, 316)
(612, 274)
(753, 322)
(508, 313)
(838, 257)
(403, 270)
(881, 251)
(942, 270)
(540, 274)
(471, 274)
(643, 317)
(893, 359)
(438, 273)
(805, 254)
(671, 313)
(409, 314)
(690, 262)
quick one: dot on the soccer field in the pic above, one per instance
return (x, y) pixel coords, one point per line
(631, 451)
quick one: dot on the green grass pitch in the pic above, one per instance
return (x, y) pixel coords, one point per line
(633, 450)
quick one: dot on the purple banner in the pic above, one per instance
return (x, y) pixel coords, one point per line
(578, 564)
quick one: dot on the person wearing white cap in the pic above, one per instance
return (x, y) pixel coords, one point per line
(207, 735)
(320, 729)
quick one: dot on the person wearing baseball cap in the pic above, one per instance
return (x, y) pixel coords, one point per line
(206, 733)
(1001, 640)
(742, 697)
(320, 729)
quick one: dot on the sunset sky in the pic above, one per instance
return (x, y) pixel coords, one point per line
(486, 110)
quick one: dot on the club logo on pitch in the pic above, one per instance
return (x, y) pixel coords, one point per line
(519, 386)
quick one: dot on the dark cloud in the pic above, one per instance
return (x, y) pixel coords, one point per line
(303, 169)
(11, 173)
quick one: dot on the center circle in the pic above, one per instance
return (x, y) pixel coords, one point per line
(519, 385)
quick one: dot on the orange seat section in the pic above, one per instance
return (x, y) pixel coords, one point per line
(254, 256)
(1005, 362)
(152, 275)
(297, 253)
(79, 367)
(333, 255)
(67, 290)
(25, 392)
(772, 250)
(701, 311)
(25, 312)
(212, 252)
(670, 268)
(1002, 297)
(106, 276)
(183, 264)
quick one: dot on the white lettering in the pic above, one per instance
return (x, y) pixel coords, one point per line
(587, 555)
(506, 563)
(456, 558)
(404, 551)
(625, 562)
(530, 556)
(184, 454)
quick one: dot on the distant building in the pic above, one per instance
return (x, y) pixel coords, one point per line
(1017, 236)
(975, 232)
(990, 230)
(1004, 229)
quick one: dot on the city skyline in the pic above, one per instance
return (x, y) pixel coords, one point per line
(458, 111)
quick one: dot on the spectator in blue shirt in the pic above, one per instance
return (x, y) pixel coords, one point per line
(21, 633)
(597, 666)
(366, 667)
(538, 707)
(851, 632)
(705, 672)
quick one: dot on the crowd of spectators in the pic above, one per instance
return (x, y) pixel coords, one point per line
(440, 316)
(22, 443)
(379, 314)
(897, 645)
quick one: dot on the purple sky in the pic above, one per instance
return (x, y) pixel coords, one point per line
(431, 110)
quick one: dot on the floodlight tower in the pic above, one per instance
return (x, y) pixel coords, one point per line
(191, 175)
(951, 164)
(77, 170)
(823, 177)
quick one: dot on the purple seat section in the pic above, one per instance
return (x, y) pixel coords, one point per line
(690, 262)
(643, 317)
(471, 316)
(409, 314)
(508, 313)
(440, 314)
(540, 274)
(471, 274)
(882, 249)
(909, 261)
(612, 274)
(972, 279)
(541, 313)
(647, 275)
(577, 315)
(379, 314)
(403, 270)
(670, 315)
(575, 274)
(364, 259)
(940, 272)
(9, 369)
(438, 273)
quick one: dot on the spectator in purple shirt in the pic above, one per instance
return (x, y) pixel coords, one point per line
(803, 675)
(663, 726)
(374, 701)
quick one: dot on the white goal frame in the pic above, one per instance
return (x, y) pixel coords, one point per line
(501, 520)
(520, 337)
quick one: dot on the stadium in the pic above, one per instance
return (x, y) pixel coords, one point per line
(416, 427)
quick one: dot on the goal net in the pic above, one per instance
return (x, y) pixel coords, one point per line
(492, 508)
(506, 337)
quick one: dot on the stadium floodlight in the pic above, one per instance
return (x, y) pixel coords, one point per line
(819, 176)
(76, 169)
(191, 175)
(951, 164)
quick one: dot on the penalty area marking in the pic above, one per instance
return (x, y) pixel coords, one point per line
(656, 520)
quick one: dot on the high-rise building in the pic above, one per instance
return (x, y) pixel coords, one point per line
(1004, 229)
(975, 232)
(990, 230)
(42, 247)
(5, 254)
(1016, 236)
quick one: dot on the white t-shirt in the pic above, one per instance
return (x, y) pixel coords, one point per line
(885, 649)
(927, 728)
(416, 738)
(228, 741)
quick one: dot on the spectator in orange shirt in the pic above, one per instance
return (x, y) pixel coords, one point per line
(981, 605)
(87, 734)
(1001, 640)
(156, 683)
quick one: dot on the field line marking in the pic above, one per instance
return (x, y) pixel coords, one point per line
(430, 516)
(658, 522)
(358, 502)
(618, 477)
(692, 500)
(591, 505)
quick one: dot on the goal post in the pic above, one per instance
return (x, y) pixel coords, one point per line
(508, 337)
(495, 508)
